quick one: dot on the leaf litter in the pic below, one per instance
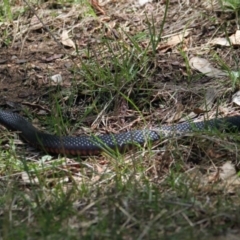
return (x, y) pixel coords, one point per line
(184, 81)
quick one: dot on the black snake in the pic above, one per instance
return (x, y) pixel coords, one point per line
(92, 145)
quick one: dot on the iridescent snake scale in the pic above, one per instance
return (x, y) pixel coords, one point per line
(93, 145)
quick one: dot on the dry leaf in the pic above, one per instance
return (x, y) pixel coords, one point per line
(235, 38)
(232, 40)
(227, 171)
(203, 66)
(198, 111)
(177, 115)
(236, 98)
(100, 169)
(35, 23)
(57, 78)
(173, 41)
(213, 178)
(52, 58)
(214, 153)
(220, 41)
(143, 2)
(233, 181)
(66, 41)
(27, 180)
(97, 7)
(111, 32)
(223, 110)
(209, 99)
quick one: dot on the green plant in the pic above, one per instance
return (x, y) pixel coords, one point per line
(6, 9)
(230, 4)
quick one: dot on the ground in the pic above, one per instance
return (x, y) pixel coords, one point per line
(95, 67)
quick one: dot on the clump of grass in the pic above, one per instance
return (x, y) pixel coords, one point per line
(230, 4)
(5, 10)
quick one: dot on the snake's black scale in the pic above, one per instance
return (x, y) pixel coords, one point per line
(92, 145)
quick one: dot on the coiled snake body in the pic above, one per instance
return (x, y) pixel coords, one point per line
(92, 145)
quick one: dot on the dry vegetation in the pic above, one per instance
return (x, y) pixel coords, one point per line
(111, 66)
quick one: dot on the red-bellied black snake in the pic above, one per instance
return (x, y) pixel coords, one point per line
(93, 145)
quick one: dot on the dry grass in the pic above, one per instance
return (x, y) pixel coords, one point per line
(120, 71)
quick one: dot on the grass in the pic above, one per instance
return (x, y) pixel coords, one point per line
(165, 190)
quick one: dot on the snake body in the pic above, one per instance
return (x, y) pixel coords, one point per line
(93, 145)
